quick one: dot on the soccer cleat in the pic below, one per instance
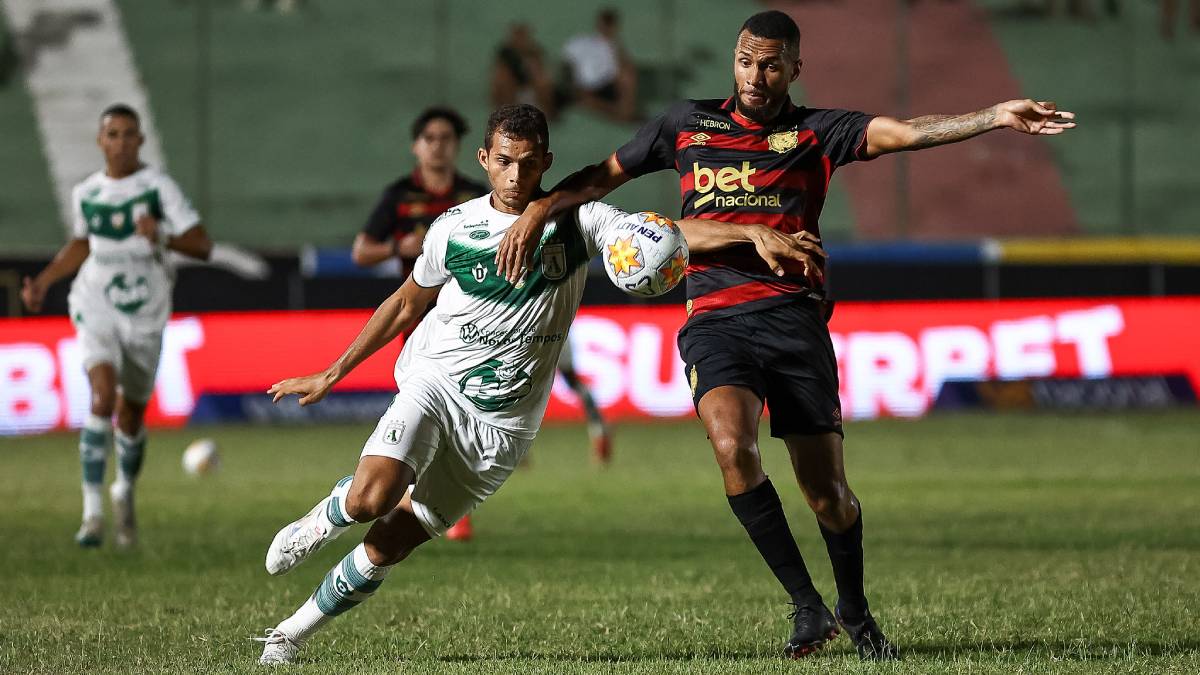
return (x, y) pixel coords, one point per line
(300, 539)
(91, 532)
(871, 643)
(278, 648)
(461, 531)
(602, 446)
(814, 626)
(125, 523)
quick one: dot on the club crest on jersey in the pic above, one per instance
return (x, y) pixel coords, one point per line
(783, 141)
(393, 433)
(127, 297)
(554, 261)
(494, 385)
(479, 272)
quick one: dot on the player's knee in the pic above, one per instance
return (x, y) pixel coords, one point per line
(832, 502)
(735, 453)
(104, 401)
(369, 502)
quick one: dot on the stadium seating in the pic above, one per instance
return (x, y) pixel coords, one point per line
(305, 115)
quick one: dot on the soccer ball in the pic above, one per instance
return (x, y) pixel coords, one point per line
(645, 254)
(201, 457)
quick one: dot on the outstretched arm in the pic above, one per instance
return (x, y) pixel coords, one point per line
(368, 251)
(65, 263)
(193, 243)
(1040, 118)
(773, 246)
(402, 309)
(588, 184)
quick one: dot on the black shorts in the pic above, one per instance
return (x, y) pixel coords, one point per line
(782, 354)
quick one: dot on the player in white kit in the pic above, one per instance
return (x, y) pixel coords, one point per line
(125, 219)
(473, 379)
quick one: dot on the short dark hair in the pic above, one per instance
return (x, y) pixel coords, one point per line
(774, 25)
(121, 110)
(518, 120)
(608, 16)
(451, 116)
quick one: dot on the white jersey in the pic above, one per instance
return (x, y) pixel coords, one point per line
(493, 344)
(124, 272)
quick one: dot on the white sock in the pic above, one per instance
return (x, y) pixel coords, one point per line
(334, 517)
(94, 440)
(346, 586)
(93, 500)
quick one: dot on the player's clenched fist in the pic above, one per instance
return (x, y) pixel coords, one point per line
(147, 226)
(33, 294)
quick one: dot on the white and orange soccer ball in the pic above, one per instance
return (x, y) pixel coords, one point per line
(645, 254)
(201, 457)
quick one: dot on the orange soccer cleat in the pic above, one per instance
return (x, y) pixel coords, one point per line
(461, 530)
(602, 447)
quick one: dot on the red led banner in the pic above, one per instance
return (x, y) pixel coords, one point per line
(892, 357)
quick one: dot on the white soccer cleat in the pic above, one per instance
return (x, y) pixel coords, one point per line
(91, 532)
(125, 523)
(278, 648)
(300, 539)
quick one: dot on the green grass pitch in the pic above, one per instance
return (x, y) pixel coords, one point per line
(1006, 544)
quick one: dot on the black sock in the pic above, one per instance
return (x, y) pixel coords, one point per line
(761, 513)
(846, 554)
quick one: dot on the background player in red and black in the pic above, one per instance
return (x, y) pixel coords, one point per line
(755, 168)
(398, 223)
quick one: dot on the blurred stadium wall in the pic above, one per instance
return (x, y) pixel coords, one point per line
(283, 127)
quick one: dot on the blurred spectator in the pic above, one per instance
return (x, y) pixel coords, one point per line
(600, 75)
(408, 206)
(281, 6)
(9, 60)
(1170, 15)
(519, 73)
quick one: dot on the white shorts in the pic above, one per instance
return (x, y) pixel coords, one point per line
(458, 460)
(131, 347)
(566, 359)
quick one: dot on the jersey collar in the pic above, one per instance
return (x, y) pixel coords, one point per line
(420, 183)
(747, 123)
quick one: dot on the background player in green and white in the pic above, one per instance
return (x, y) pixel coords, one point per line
(126, 218)
(473, 379)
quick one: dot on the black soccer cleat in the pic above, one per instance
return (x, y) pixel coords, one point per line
(871, 643)
(814, 626)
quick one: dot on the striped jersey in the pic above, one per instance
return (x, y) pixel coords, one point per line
(408, 205)
(735, 170)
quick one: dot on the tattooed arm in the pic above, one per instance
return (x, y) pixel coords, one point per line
(886, 134)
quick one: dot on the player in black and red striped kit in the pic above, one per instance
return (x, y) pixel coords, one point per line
(407, 206)
(757, 167)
